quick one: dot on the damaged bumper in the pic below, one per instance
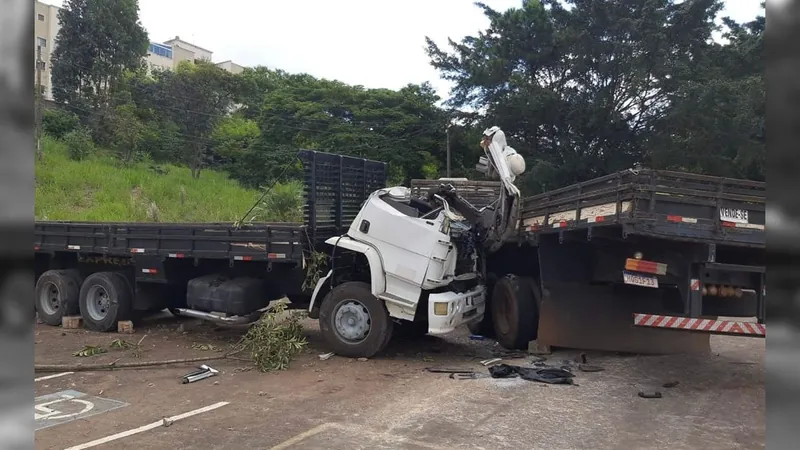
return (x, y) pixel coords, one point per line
(449, 310)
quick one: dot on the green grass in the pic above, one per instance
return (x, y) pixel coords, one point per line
(100, 189)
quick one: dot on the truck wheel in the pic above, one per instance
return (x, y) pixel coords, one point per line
(485, 327)
(353, 321)
(105, 299)
(56, 295)
(515, 311)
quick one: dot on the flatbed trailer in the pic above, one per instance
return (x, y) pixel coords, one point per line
(108, 272)
(622, 261)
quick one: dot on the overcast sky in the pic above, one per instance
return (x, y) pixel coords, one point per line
(367, 42)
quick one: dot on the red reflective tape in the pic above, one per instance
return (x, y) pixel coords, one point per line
(243, 258)
(674, 218)
(176, 255)
(276, 255)
(35, 247)
(695, 284)
(705, 325)
(137, 250)
(150, 271)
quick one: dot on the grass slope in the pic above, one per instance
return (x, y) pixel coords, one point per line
(101, 190)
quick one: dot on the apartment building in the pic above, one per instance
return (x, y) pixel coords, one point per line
(46, 26)
(169, 54)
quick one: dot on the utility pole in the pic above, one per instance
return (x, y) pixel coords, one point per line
(39, 101)
(448, 150)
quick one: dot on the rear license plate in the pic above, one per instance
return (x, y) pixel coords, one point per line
(640, 280)
(734, 215)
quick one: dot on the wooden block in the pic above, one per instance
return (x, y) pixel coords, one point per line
(538, 348)
(72, 322)
(125, 326)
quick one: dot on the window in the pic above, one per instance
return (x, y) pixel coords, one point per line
(160, 50)
(40, 17)
(41, 42)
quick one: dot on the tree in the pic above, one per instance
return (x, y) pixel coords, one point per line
(97, 42)
(715, 124)
(404, 128)
(576, 84)
(195, 97)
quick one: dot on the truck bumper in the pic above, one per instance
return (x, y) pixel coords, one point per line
(449, 310)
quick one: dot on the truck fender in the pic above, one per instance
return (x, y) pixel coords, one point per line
(376, 272)
(318, 288)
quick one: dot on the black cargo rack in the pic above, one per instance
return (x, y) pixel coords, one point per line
(336, 186)
(653, 202)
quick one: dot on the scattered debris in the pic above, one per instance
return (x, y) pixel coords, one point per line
(581, 359)
(275, 339)
(442, 370)
(670, 384)
(120, 344)
(488, 362)
(539, 359)
(204, 372)
(203, 347)
(590, 368)
(362, 359)
(326, 356)
(166, 422)
(547, 375)
(653, 394)
(464, 376)
(427, 359)
(476, 337)
(89, 350)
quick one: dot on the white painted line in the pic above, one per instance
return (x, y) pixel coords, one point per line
(50, 377)
(147, 427)
(303, 436)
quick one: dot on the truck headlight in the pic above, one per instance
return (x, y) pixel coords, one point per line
(440, 309)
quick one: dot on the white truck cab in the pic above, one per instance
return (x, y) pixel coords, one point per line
(407, 263)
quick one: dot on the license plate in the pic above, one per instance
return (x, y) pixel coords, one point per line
(734, 215)
(640, 280)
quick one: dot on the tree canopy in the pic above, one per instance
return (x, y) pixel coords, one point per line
(586, 87)
(581, 87)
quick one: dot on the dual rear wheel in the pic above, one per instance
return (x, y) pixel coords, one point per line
(512, 312)
(102, 299)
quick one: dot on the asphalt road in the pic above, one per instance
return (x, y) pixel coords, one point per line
(392, 402)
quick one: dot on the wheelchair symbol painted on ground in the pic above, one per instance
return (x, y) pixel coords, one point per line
(45, 411)
(66, 406)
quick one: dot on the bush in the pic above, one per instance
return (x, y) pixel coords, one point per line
(283, 203)
(58, 123)
(79, 144)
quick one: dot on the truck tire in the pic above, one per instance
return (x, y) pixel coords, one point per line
(105, 299)
(515, 311)
(485, 327)
(56, 295)
(354, 322)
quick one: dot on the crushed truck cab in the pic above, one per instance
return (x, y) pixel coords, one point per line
(419, 260)
(415, 263)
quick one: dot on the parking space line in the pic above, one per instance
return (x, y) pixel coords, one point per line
(355, 430)
(302, 436)
(147, 427)
(50, 377)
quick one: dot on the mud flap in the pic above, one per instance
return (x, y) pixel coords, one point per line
(582, 316)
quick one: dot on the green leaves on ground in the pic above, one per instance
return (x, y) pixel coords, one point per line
(275, 339)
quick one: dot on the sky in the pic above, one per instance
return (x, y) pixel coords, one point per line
(377, 44)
